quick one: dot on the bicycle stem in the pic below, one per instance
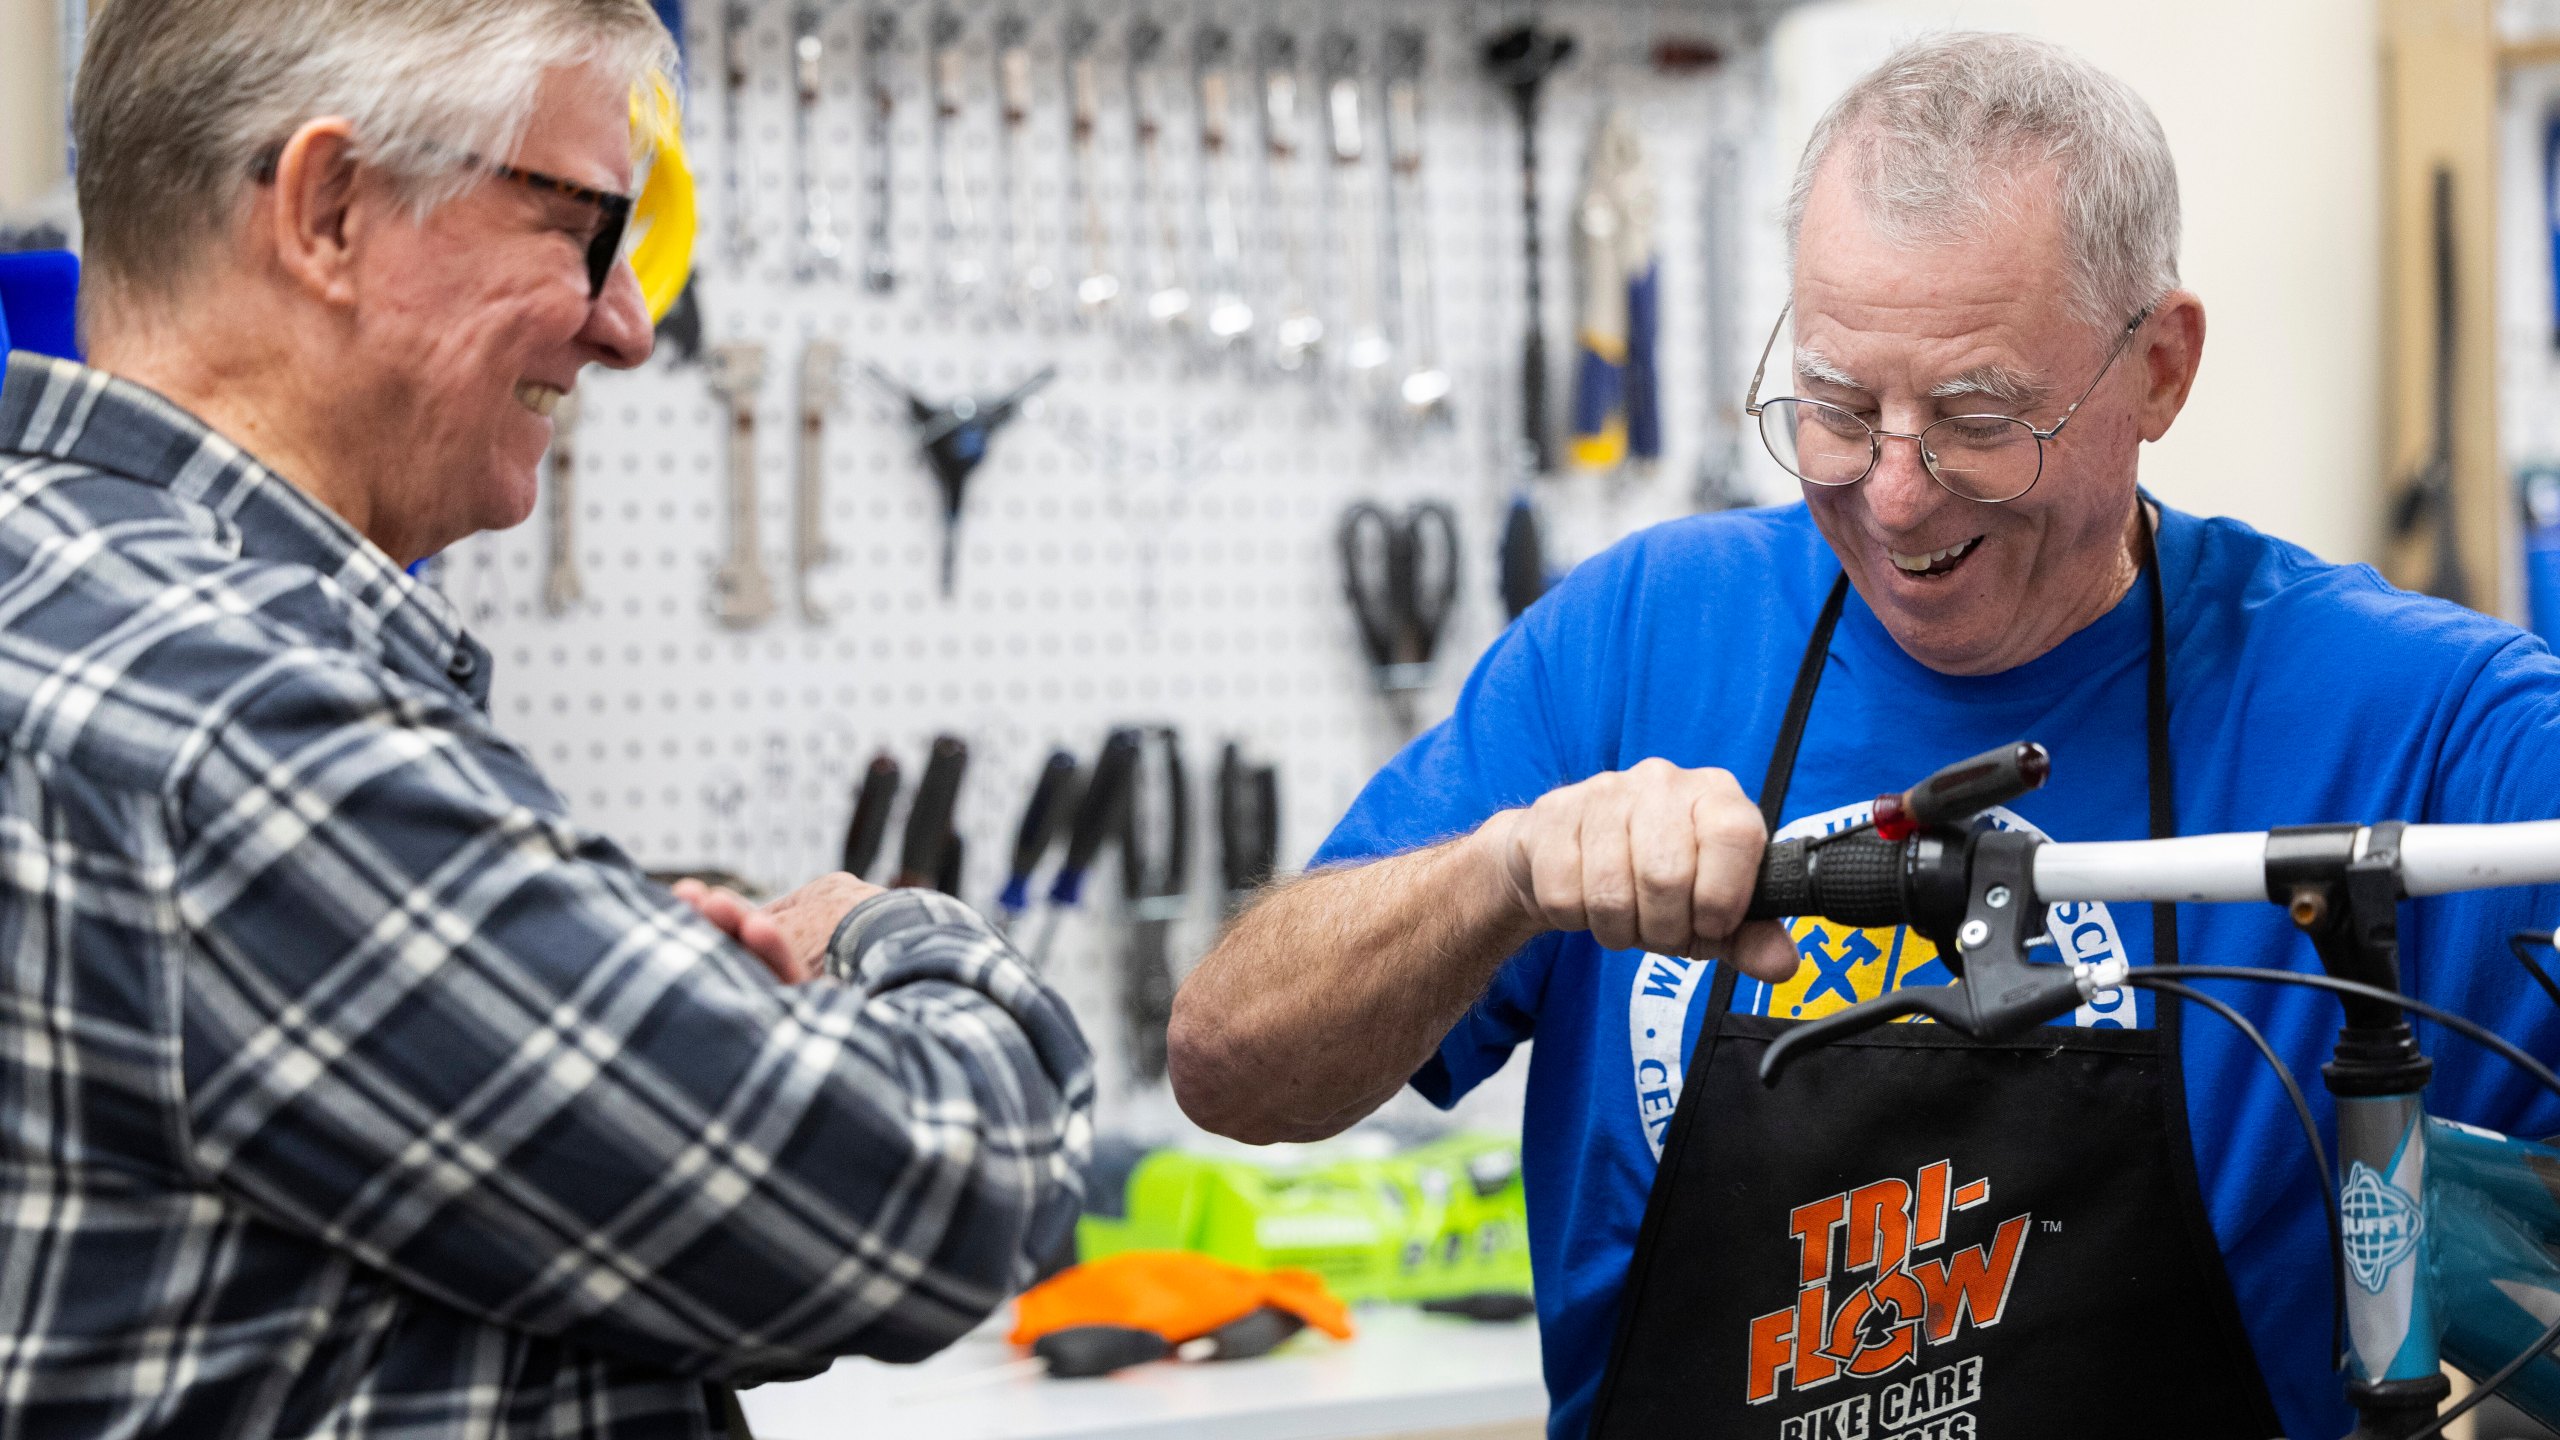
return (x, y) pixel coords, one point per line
(2340, 885)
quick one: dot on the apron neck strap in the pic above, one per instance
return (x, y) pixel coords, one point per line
(2164, 787)
(1817, 652)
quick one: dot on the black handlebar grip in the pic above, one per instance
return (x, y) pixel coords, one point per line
(1855, 880)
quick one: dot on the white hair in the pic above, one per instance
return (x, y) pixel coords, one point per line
(178, 99)
(1933, 135)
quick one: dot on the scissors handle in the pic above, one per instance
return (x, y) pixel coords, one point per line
(1431, 577)
(1369, 540)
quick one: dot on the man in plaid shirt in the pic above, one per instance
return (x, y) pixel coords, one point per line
(347, 1086)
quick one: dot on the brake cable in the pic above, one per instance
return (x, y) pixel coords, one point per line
(2516, 944)
(2310, 1136)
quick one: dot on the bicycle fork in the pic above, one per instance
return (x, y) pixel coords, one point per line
(2338, 883)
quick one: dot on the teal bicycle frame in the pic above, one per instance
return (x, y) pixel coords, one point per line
(2481, 1285)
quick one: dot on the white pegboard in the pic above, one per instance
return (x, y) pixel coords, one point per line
(1154, 544)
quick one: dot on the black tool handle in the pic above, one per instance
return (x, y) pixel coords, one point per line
(1248, 823)
(1367, 539)
(929, 819)
(1098, 816)
(870, 823)
(1053, 802)
(1431, 577)
(1524, 558)
(1155, 823)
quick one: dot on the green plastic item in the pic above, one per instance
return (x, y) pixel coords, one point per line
(1437, 1222)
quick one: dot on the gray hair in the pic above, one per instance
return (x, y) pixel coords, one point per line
(178, 99)
(1931, 131)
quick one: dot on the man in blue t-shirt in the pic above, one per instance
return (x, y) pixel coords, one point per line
(2110, 1231)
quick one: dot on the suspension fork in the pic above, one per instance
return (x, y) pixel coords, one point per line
(2340, 885)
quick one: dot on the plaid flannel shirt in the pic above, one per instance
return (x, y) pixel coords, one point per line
(349, 1088)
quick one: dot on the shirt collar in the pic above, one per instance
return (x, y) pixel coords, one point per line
(87, 417)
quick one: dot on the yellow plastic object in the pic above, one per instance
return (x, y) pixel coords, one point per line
(662, 219)
(1178, 1295)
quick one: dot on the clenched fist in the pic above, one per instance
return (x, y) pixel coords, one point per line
(1655, 858)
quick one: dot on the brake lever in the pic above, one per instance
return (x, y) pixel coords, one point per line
(2000, 992)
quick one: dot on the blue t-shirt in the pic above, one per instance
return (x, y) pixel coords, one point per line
(2300, 692)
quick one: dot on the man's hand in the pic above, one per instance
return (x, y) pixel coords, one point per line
(1657, 858)
(790, 935)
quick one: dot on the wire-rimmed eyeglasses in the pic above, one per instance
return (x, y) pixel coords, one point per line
(1990, 458)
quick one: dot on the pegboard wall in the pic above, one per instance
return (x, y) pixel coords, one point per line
(1154, 541)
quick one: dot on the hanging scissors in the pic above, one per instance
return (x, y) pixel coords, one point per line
(1401, 574)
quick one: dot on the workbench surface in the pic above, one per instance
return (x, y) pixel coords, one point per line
(1406, 1373)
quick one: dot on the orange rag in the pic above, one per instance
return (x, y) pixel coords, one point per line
(1176, 1294)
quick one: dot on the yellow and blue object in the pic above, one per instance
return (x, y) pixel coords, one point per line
(1617, 393)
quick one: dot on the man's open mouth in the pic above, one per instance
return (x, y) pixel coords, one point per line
(1935, 562)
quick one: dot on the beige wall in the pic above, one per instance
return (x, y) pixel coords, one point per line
(30, 101)
(2274, 110)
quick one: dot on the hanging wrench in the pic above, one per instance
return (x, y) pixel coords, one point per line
(1366, 349)
(736, 18)
(955, 225)
(1230, 316)
(821, 252)
(879, 39)
(562, 587)
(1300, 331)
(1027, 287)
(1168, 302)
(1425, 387)
(1098, 289)
(821, 382)
(744, 592)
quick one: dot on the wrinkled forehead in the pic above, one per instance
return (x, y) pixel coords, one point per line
(2003, 279)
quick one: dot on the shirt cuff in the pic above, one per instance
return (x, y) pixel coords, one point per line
(861, 946)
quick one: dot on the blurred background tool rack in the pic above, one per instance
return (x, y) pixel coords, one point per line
(1147, 202)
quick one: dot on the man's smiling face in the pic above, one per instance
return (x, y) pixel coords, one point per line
(1906, 335)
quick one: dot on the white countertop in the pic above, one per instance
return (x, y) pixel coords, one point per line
(1404, 1372)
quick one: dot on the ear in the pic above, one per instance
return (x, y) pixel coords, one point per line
(2171, 349)
(310, 212)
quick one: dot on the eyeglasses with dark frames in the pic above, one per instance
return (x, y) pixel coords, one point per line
(1992, 459)
(613, 211)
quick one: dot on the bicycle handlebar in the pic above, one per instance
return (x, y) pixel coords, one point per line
(1865, 879)
(1970, 894)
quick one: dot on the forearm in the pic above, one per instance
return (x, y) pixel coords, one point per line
(1324, 997)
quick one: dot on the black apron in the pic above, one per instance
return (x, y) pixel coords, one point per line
(1918, 1237)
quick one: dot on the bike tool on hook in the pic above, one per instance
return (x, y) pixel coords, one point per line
(1098, 822)
(931, 854)
(1520, 60)
(1401, 576)
(1155, 868)
(954, 436)
(1045, 821)
(870, 823)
